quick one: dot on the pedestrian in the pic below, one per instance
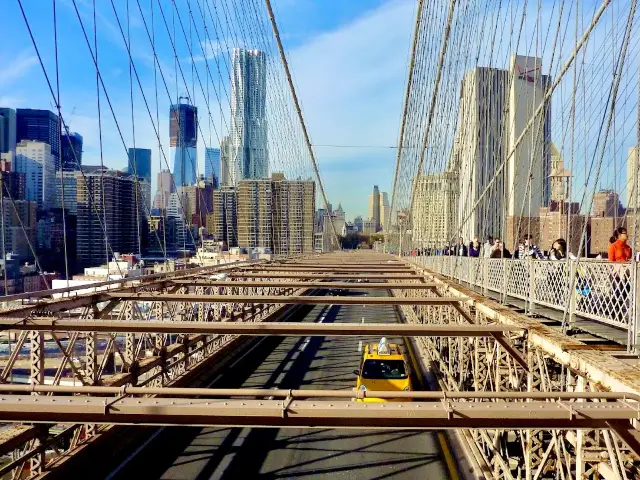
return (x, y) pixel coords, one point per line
(488, 247)
(558, 250)
(475, 247)
(460, 249)
(499, 250)
(619, 251)
(528, 248)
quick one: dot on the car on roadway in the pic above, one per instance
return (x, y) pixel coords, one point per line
(384, 367)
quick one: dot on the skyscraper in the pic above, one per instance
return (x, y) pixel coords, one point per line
(277, 214)
(71, 149)
(493, 114)
(140, 163)
(376, 208)
(212, 166)
(248, 147)
(35, 161)
(7, 133)
(119, 215)
(165, 188)
(40, 125)
(183, 138)
(384, 208)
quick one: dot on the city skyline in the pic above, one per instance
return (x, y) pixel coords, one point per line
(314, 32)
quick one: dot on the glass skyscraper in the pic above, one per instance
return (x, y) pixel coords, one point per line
(212, 166)
(140, 163)
(71, 149)
(183, 138)
(42, 126)
(248, 154)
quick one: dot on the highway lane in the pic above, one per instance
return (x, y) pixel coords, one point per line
(245, 453)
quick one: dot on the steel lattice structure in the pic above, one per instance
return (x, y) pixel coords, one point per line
(524, 400)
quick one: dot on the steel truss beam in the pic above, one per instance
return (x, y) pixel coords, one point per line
(295, 284)
(316, 413)
(319, 275)
(258, 329)
(281, 299)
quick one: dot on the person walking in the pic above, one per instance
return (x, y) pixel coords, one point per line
(619, 251)
(475, 247)
(488, 247)
(558, 250)
(460, 248)
(528, 248)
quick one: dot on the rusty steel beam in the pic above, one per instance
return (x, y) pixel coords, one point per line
(342, 269)
(309, 393)
(318, 276)
(255, 328)
(312, 413)
(280, 299)
(296, 284)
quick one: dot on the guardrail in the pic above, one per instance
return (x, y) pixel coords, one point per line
(597, 290)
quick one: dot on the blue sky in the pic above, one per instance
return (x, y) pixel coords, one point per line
(348, 60)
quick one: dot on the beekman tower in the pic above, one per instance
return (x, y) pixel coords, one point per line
(183, 133)
(248, 143)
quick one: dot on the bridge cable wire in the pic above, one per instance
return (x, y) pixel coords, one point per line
(62, 183)
(283, 58)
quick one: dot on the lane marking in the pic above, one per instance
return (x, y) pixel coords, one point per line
(442, 439)
(308, 339)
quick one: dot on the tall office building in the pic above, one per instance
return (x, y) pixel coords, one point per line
(183, 133)
(165, 188)
(436, 209)
(492, 115)
(20, 227)
(248, 143)
(276, 214)
(71, 149)
(139, 163)
(118, 217)
(7, 134)
(40, 125)
(529, 168)
(225, 161)
(68, 180)
(212, 166)
(222, 221)
(384, 208)
(375, 207)
(35, 161)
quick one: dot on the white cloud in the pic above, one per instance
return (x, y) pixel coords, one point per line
(351, 82)
(18, 67)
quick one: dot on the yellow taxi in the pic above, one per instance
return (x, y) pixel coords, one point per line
(384, 367)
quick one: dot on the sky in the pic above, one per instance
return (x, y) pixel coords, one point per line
(348, 60)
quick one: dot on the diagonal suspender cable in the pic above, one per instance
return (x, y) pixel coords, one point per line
(405, 108)
(434, 97)
(283, 57)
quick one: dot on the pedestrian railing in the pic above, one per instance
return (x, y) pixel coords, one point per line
(593, 289)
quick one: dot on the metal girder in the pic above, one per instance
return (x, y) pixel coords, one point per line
(307, 413)
(254, 328)
(282, 299)
(296, 284)
(312, 276)
(342, 269)
(443, 396)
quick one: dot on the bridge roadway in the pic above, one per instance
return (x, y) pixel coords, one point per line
(291, 362)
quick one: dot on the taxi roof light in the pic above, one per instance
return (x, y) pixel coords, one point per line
(383, 347)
